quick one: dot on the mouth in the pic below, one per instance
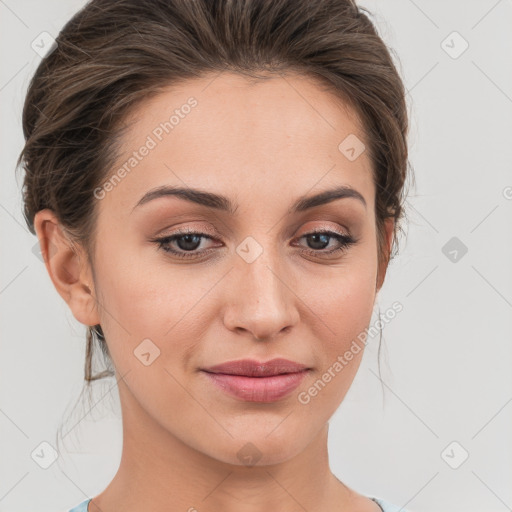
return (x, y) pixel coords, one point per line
(254, 381)
(253, 368)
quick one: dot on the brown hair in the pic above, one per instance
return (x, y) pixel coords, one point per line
(113, 54)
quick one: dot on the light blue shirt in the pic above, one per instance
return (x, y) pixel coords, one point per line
(384, 505)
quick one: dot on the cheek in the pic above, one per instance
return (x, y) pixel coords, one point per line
(343, 305)
(350, 304)
(141, 300)
(343, 298)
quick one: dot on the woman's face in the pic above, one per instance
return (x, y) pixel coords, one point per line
(255, 283)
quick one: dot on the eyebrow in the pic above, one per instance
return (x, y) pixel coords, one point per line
(223, 203)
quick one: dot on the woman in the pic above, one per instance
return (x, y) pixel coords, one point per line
(217, 187)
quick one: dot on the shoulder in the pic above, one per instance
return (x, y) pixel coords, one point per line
(386, 506)
(81, 507)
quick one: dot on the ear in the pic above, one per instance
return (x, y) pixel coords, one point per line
(68, 267)
(389, 225)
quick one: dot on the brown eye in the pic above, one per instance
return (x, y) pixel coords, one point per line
(187, 243)
(319, 240)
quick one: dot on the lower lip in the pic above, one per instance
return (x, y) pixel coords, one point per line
(258, 389)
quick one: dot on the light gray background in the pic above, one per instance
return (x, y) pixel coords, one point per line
(446, 357)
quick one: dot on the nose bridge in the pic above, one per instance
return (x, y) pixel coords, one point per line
(262, 302)
(261, 273)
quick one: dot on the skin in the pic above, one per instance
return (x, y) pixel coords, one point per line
(262, 145)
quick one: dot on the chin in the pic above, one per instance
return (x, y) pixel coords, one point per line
(258, 448)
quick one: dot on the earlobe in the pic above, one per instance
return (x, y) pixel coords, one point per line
(67, 267)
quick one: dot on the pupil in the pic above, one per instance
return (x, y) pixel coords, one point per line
(186, 246)
(322, 238)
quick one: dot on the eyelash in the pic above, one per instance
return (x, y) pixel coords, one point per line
(345, 240)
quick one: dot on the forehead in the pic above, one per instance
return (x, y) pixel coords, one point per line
(253, 140)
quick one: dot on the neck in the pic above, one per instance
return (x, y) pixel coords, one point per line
(159, 472)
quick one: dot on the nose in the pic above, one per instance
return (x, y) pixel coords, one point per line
(261, 301)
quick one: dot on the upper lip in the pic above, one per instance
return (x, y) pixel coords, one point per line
(253, 368)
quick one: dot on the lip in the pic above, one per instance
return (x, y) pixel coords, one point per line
(253, 368)
(256, 381)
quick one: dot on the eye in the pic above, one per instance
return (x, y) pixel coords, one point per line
(320, 239)
(187, 241)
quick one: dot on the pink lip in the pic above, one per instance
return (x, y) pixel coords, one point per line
(255, 381)
(253, 368)
(258, 389)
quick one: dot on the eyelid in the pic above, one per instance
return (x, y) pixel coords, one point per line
(216, 235)
(176, 230)
(343, 231)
